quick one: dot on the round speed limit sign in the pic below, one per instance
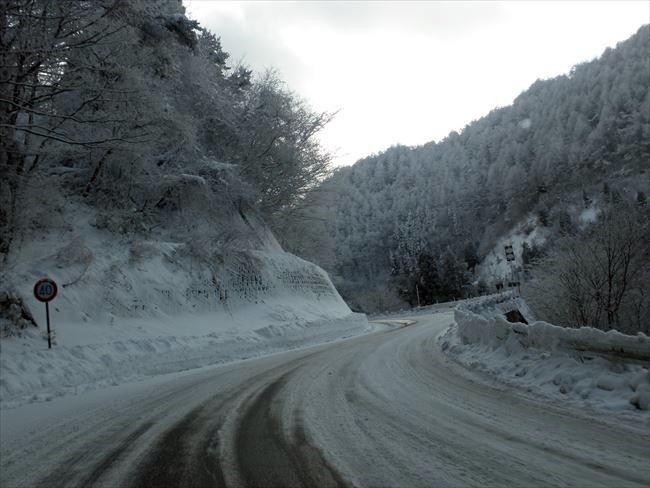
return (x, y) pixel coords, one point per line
(45, 290)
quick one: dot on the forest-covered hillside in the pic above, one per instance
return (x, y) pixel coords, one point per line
(126, 134)
(562, 152)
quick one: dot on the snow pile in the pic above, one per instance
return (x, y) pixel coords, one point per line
(492, 329)
(496, 305)
(606, 371)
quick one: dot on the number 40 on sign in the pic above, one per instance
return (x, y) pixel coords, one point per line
(45, 290)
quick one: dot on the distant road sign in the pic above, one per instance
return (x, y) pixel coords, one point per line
(45, 290)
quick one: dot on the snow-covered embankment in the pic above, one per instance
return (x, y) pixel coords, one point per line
(128, 310)
(606, 371)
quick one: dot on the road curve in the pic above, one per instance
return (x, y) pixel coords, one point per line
(386, 409)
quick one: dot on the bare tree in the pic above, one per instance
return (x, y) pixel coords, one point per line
(600, 278)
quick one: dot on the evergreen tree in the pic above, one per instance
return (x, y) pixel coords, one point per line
(452, 277)
(428, 279)
(471, 256)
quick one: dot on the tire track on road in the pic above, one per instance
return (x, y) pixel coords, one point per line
(267, 459)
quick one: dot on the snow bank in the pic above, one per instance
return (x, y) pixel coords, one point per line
(496, 305)
(492, 329)
(90, 355)
(606, 371)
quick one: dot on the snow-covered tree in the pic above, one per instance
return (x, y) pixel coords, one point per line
(599, 278)
(278, 151)
(60, 88)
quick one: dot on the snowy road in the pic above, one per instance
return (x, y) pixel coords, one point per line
(385, 409)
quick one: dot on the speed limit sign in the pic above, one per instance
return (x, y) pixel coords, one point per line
(45, 291)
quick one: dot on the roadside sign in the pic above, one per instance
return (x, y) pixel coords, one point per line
(45, 290)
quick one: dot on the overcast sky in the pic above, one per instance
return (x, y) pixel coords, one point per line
(411, 72)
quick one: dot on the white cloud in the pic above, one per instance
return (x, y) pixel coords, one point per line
(411, 72)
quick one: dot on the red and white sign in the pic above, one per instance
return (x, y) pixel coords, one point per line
(45, 290)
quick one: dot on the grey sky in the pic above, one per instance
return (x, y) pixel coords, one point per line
(411, 72)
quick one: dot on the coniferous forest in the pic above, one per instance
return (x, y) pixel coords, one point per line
(428, 215)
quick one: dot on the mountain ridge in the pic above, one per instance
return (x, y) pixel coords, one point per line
(569, 141)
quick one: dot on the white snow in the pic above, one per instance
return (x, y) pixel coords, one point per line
(192, 179)
(91, 355)
(588, 216)
(586, 366)
(494, 266)
(525, 123)
(133, 308)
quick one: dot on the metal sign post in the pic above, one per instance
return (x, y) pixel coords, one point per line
(45, 290)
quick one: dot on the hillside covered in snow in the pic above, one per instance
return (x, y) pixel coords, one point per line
(139, 170)
(429, 223)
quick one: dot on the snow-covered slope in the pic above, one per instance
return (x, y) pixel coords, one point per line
(494, 267)
(104, 276)
(134, 306)
(530, 231)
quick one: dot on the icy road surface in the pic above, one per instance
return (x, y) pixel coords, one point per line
(385, 409)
